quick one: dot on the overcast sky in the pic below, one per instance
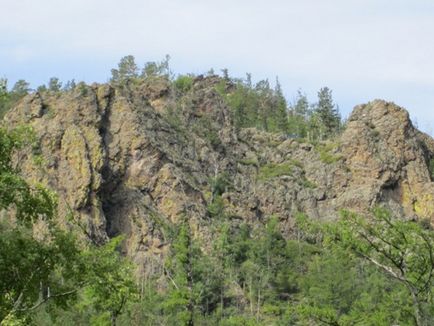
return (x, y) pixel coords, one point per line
(361, 49)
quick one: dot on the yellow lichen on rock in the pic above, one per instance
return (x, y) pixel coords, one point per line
(75, 166)
(96, 154)
(424, 206)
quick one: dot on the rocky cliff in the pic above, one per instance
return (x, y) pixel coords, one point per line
(127, 160)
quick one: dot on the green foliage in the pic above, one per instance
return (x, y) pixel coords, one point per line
(298, 116)
(273, 170)
(154, 69)
(328, 113)
(220, 184)
(252, 105)
(239, 321)
(179, 300)
(259, 106)
(279, 121)
(253, 162)
(49, 268)
(221, 88)
(296, 163)
(9, 98)
(301, 104)
(326, 154)
(402, 250)
(183, 83)
(82, 89)
(5, 101)
(174, 118)
(109, 279)
(54, 85)
(41, 89)
(30, 202)
(356, 271)
(105, 293)
(194, 282)
(253, 276)
(431, 168)
(32, 270)
(342, 289)
(21, 88)
(317, 121)
(216, 207)
(205, 128)
(127, 69)
(243, 104)
(305, 183)
(69, 85)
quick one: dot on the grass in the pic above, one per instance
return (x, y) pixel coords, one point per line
(251, 161)
(305, 183)
(272, 170)
(183, 83)
(325, 153)
(297, 163)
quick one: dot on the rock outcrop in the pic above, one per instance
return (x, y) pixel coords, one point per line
(389, 161)
(126, 161)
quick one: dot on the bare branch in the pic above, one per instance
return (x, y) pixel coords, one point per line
(52, 296)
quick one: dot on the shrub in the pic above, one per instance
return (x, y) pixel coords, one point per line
(216, 207)
(326, 154)
(272, 170)
(305, 183)
(247, 161)
(220, 183)
(431, 168)
(183, 83)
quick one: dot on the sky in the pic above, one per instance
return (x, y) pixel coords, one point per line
(361, 49)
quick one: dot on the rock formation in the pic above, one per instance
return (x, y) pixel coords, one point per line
(127, 160)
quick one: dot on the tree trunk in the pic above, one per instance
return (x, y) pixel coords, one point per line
(190, 306)
(416, 307)
(259, 305)
(113, 318)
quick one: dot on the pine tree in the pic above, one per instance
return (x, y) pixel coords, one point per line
(54, 85)
(281, 113)
(21, 88)
(265, 96)
(4, 96)
(127, 69)
(157, 69)
(179, 303)
(70, 85)
(328, 113)
(301, 105)
(9, 98)
(299, 116)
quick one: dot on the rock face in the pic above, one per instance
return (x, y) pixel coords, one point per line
(389, 160)
(126, 161)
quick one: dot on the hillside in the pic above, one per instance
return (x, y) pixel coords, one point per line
(121, 159)
(136, 159)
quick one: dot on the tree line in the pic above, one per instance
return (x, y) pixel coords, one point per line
(9, 97)
(253, 105)
(256, 105)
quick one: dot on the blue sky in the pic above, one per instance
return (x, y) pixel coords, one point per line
(362, 49)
